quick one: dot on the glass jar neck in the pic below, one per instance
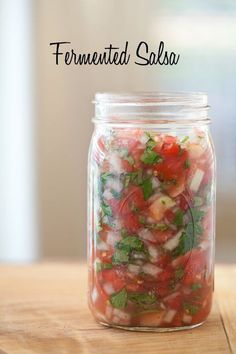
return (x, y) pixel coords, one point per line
(151, 108)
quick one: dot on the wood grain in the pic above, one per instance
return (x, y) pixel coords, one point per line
(44, 311)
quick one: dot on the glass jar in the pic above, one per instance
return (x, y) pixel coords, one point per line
(151, 211)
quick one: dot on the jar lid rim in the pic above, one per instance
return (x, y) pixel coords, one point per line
(152, 98)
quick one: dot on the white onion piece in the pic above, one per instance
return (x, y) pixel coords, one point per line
(195, 150)
(102, 246)
(153, 253)
(155, 182)
(187, 318)
(108, 288)
(145, 234)
(151, 269)
(121, 314)
(196, 180)
(204, 245)
(115, 184)
(144, 139)
(115, 163)
(135, 269)
(112, 238)
(94, 295)
(173, 242)
(169, 315)
(171, 296)
(107, 194)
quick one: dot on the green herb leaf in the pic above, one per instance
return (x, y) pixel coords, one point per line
(119, 300)
(196, 286)
(179, 273)
(198, 201)
(101, 266)
(130, 159)
(147, 188)
(184, 139)
(142, 299)
(186, 164)
(190, 236)
(130, 243)
(125, 247)
(120, 256)
(178, 220)
(105, 176)
(116, 195)
(191, 309)
(150, 157)
(106, 209)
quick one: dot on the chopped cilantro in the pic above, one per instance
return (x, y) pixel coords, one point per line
(119, 300)
(106, 209)
(142, 299)
(190, 236)
(116, 195)
(120, 256)
(191, 309)
(196, 286)
(150, 157)
(178, 220)
(105, 176)
(101, 266)
(186, 163)
(147, 188)
(179, 273)
(198, 201)
(125, 247)
(184, 139)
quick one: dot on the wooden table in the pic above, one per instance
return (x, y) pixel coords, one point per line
(44, 310)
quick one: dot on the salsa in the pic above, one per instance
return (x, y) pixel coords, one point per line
(152, 224)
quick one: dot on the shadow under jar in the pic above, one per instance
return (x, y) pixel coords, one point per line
(151, 211)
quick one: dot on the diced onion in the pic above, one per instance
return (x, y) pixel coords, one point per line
(135, 269)
(145, 234)
(173, 242)
(153, 253)
(102, 246)
(187, 318)
(107, 194)
(115, 184)
(144, 139)
(151, 269)
(115, 163)
(171, 296)
(108, 288)
(121, 314)
(169, 315)
(112, 238)
(155, 182)
(196, 180)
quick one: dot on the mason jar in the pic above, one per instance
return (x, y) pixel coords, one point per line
(151, 211)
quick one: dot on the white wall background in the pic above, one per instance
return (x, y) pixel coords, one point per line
(48, 142)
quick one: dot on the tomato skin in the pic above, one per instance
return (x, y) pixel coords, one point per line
(195, 267)
(126, 166)
(112, 276)
(162, 236)
(132, 198)
(166, 274)
(170, 215)
(174, 302)
(132, 223)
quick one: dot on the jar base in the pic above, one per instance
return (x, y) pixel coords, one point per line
(151, 329)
